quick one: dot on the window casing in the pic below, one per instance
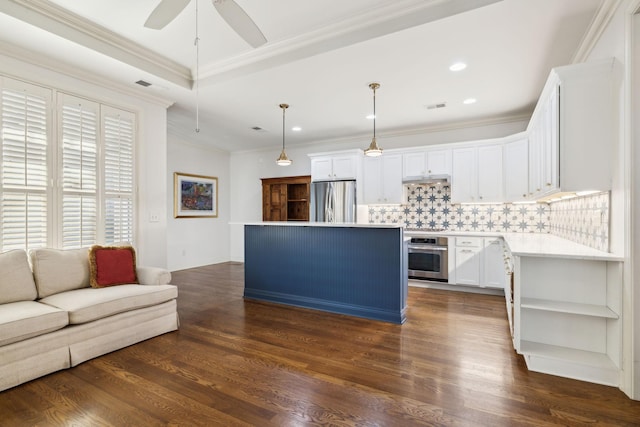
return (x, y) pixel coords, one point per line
(66, 169)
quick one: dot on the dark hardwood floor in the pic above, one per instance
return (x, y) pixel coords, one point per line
(236, 362)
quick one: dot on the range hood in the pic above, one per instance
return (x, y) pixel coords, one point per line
(428, 180)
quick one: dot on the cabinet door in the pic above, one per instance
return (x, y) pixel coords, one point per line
(550, 146)
(392, 179)
(464, 183)
(468, 266)
(439, 162)
(344, 167)
(490, 173)
(321, 169)
(516, 170)
(493, 263)
(372, 177)
(414, 165)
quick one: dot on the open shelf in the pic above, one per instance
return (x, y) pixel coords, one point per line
(582, 357)
(568, 307)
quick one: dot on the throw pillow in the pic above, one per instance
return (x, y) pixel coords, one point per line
(112, 265)
(16, 280)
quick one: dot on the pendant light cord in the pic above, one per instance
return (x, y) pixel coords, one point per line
(283, 111)
(374, 112)
(197, 43)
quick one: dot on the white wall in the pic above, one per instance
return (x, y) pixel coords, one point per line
(248, 167)
(151, 164)
(615, 42)
(195, 242)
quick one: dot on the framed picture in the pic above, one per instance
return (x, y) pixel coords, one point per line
(195, 196)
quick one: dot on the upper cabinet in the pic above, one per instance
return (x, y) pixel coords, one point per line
(571, 130)
(420, 164)
(335, 166)
(516, 170)
(382, 178)
(477, 174)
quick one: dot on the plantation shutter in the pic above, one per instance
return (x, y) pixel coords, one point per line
(119, 137)
(25, 197)
(78, 129)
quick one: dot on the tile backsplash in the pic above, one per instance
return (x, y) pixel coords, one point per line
(583, 220)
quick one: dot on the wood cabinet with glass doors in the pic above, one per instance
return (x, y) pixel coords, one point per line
(286, 198)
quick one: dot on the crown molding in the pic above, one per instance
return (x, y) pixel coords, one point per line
(599, 23)
(46, 62)
(54, 19)
(443, 127)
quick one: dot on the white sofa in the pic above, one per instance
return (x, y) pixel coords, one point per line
(51, 319)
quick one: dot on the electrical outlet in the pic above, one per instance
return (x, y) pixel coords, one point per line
(154, 217)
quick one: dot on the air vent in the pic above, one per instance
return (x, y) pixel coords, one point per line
(143, 83)
(435, 106)
(258, 129)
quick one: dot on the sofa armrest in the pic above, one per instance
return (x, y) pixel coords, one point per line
(153, 275)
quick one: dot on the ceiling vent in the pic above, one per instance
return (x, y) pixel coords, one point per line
(436, 106)
(258, 129)
(143, 83)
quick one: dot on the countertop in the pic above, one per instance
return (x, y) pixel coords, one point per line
(320, 224)
(533, 245)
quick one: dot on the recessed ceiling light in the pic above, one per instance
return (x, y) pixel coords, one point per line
(371, 117)
(296, 128)
(470, 101)
(458, 66)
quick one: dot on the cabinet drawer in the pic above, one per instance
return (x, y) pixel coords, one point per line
(475, 242)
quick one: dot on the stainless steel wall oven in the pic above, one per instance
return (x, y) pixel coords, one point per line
(429, 258)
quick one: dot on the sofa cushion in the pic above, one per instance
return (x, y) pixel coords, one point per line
(57, 270)
(27, 319)
(16, 280)
(112, 265)
(86, 305)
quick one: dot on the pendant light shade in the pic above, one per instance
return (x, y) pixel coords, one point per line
(374, 150)
(283, 160)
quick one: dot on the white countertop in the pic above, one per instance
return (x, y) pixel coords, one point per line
(534, 245)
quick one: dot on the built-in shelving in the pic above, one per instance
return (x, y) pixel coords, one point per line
(286, 198)
(569, 307)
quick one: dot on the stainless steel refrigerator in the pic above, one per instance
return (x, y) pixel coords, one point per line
(333, 201)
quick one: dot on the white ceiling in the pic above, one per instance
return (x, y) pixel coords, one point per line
(320, 57)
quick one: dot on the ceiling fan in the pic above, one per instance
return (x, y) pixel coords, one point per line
(229, 10)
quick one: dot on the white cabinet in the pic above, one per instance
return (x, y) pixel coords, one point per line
(420, 164)
(569, 130)
(493, 263)
(516, 170)
(329, 167)
(490, 174)
(464, 177)
(467, 254)
(567, 317)
(477, 174)
(478, 262)
(382, 177)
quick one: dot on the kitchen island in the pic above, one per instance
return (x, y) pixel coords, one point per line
(352, 269)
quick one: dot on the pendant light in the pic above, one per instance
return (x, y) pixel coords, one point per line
(283, 160)
(374, 150)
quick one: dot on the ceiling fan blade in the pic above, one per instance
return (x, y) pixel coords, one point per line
(164, 13)
(238, 19)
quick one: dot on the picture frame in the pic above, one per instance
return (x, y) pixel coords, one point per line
(195, 196)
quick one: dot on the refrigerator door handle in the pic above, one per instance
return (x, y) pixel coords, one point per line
(329, 203)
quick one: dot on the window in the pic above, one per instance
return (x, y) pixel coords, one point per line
(68, 191)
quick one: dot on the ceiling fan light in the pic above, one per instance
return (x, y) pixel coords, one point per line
(373, 150)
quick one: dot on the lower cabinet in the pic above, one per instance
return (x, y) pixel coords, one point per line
(479, 262)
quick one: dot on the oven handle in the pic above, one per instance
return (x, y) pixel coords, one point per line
(429, 249)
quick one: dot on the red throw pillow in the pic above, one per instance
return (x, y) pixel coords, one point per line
(112, 265)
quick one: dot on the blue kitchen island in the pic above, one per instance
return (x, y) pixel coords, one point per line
(352, 269)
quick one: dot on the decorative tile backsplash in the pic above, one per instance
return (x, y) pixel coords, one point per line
(584, 220)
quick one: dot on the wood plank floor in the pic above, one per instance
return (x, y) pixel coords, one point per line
(239, 363)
